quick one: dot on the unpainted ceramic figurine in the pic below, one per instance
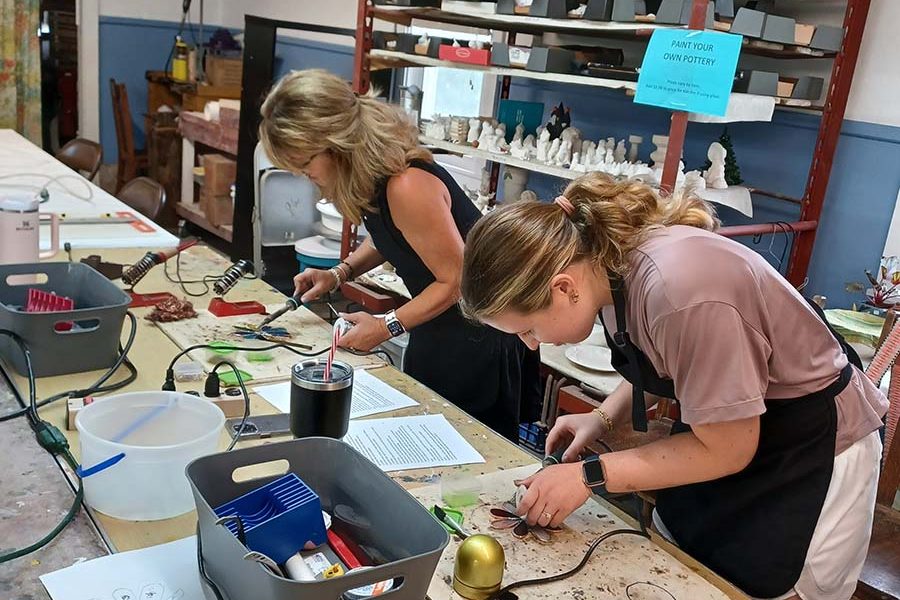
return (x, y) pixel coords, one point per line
(519, 133)
(553, 151)
(543, 145)
(474, 131)
(715, 176)
(487, 133)
(658, 157)
(619, 152)
(634, 144)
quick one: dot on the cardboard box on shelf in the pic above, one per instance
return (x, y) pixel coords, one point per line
(219, 172)
(224, 70)
(218, 208)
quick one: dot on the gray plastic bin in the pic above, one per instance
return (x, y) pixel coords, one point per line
(397, 527)
(99, 312)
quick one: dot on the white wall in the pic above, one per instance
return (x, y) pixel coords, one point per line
(89, 69)
(161, 10)
(876, 83)
(333, 13)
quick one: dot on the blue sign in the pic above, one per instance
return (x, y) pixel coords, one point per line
(689, 70)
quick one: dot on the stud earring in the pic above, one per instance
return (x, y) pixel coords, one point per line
(574, 296)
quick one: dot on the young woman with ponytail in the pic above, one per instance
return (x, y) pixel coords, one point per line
(770, 473)
(365, 157)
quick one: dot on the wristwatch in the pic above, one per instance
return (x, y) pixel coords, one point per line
(394, 326)
(593, 476)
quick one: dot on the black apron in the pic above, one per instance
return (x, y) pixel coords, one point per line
(753, 527)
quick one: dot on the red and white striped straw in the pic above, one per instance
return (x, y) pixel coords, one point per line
(335, 338)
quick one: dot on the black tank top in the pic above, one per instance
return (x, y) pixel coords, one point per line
(393, 245)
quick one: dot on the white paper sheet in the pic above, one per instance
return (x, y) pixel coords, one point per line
(164, 572)
(371, 396)
(415, 442)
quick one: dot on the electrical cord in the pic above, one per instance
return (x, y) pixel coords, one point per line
(202, 566)
(204, 281)
(43, 192)
(29, 409)
(382, 353)
(240, 381)
(50, 439)
(169, 384)
(565, 575)
(654, 585)
(96, 388)
(57, 436)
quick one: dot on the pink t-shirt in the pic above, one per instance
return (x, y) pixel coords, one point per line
(730, 331)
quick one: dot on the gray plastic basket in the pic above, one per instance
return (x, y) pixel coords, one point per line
(398, 527)
(99, 312)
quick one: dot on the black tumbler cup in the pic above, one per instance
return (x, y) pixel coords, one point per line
(320, 407)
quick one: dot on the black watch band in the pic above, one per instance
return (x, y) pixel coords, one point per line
(593, 476)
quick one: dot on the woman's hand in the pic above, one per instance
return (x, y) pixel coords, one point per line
(366, 333)
(312, 283)
(553, 494)
(575, 432)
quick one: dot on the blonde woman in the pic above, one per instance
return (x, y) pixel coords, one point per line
(364, 155)
(769, 476)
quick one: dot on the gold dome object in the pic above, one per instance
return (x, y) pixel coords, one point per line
(478, 570)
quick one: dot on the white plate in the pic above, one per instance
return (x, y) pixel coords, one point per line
(595, 358)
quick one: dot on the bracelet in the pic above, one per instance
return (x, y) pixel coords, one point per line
(605, 417)
(340, 268)
(349, 268)
(338, 279)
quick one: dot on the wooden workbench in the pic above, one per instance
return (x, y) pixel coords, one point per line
(151, 353)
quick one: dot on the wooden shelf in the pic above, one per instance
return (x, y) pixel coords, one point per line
(195, 216)
(389, 59)
(599, 29)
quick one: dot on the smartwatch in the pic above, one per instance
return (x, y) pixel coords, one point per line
(593, 476)
(394, 326)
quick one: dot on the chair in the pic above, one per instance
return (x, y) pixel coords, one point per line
(132, 162)
(880, 577)
(83, 156)
(144, 195)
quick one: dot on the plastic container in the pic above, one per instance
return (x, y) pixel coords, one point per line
(369, 508)
(71, 341)
(317, 252)
(219, 350)
(189, 371)
(147, 483)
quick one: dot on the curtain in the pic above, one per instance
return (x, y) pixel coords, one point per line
(20, 75)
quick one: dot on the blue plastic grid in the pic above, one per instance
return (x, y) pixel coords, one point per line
(278, 518)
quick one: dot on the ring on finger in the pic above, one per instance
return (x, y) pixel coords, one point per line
(545, 516)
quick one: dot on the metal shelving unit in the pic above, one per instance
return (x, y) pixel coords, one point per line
(844, 62)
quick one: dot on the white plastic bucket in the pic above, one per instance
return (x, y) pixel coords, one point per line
(159, 433)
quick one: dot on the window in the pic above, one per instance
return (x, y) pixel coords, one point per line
(458, 92)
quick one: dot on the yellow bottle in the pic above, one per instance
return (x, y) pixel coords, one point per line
(180, 61)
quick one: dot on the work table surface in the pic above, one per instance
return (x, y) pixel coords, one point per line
(151, 353)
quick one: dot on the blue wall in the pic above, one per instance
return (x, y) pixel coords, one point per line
(130, 47)
(773, 156)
